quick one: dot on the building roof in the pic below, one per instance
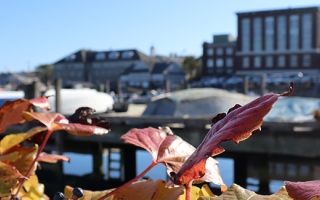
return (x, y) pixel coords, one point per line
(314, 8)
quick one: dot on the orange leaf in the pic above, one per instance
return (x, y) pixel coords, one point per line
(303, 190)
(10, 177)
(10, 112)
(149, 189)
(45, 118)
(237, 125)
(52, 158)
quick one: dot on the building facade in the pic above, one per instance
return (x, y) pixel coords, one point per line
(278, 41)
(271, 41)
(218, 58)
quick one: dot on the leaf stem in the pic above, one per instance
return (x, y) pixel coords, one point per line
(189, 190)
(44, 142)
(130, 182)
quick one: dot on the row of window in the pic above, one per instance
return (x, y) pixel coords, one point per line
(219, 62)
(114, 55)
(219, 51)
(279, 35)
(278, 61)
(219, 71)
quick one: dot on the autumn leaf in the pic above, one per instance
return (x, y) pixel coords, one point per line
(148, 138)
(303, 190)
(10, 177)
(52, 158)
(10, 112)
(236, 192)
(237, 125)
(198, 192)
(12, 140)
(33, 190)
(25, 158)
(170, 150)
(149, 189)
(87, 194)
(56, 121)
(9, 157)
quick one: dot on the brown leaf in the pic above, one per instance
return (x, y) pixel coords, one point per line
(10, 177)
(303, 190)
(10, 112)
(52, 158)
(237, 125)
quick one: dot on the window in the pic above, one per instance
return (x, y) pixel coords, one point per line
(210, 63)
(269, 33)
(126, 54)
(257, 34)
(229, 62)
(113, 55)
(293, 61)
(100, 56)
(269, 61)
(245, 34)
(219, 51)
(294, 32)
(210, 51)
(229, 50)
(281, 61)
(245, 62)
(219, 62)
(306, 31)
(257, 62)
(281, 32)
(306, 60)
(70, 58)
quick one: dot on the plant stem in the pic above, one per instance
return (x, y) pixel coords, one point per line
(130, 182)
(189, 190)
(44, 142)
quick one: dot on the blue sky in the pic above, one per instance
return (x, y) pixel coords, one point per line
(39, 32)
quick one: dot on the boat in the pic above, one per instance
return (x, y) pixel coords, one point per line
(72, 99)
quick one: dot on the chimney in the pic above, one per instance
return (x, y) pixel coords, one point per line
(152, 51)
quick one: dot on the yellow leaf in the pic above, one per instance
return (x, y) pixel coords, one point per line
(12, 140)
(32, 189)
(13, 156)
(88, 195)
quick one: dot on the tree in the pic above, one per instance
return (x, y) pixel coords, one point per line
(45, 73)
(192, 67)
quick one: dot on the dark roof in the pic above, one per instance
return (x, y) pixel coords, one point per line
(158, 68)
(301, 9)
(132, 69)
(78, 56)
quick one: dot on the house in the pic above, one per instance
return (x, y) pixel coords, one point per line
(98, 67)
(141, 76)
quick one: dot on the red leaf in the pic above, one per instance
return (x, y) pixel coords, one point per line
(52, 158)
(303, 190)
(148, 138)
(170, 150)
(10, 112)
(56, 121)
(236, 125)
